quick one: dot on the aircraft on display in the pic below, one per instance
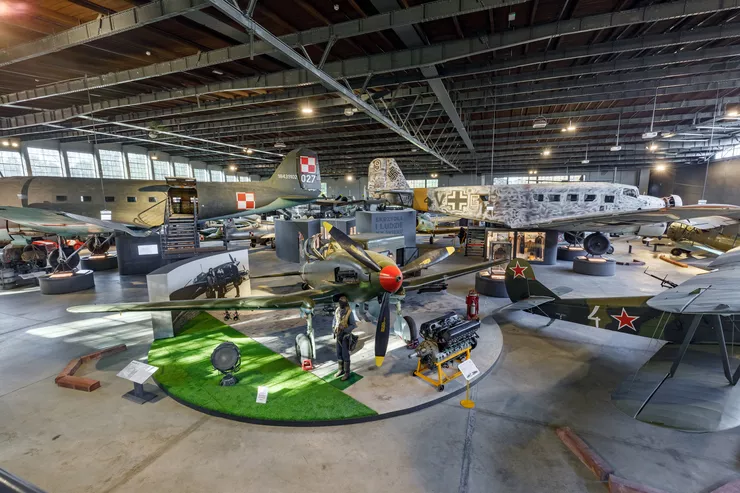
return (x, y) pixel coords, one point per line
(361, 275)
(570, 207)
(702, 235)
(438, 225)
(80, 207)
(680, 315)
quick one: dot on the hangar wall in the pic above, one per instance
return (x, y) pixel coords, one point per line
(723, 182)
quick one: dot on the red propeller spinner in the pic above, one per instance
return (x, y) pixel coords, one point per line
(391, 278)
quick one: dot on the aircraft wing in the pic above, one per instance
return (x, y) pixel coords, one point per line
(61, 223)
(604, 221)
(419, 282)
(710, 222)
(712, 293)
(698, 247)
(525, 304)
(307, 299)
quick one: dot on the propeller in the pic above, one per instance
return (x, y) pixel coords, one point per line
(428, 259)
(390, 278)
(351, 247)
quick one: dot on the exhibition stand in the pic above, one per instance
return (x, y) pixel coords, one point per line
(66, 282)
(307, 398)
(290, 235)
(595, 266)
(97, 263)
(138, 255)
(570, 252)
(493, 285)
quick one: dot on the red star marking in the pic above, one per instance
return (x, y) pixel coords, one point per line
(518, 270)
(625, 320)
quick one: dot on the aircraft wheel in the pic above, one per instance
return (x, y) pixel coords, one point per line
(610, 250)
(431, 240)
(302, 347)
(67, 265)
(413, 331)
(676, 252)
(596, 244)
(272, 244)
(305, 286)
(329, 214)
(253, 243)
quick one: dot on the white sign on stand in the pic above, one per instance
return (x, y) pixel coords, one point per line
(261, 395)
(137, 372)
(468, 369)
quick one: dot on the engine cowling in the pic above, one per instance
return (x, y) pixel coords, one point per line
(673, 201)
(652, 230)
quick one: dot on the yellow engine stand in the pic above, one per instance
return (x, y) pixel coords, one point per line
(442, 376)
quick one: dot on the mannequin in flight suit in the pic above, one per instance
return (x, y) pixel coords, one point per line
(344, 323)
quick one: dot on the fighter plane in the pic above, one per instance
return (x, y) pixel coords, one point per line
(570, 207)
(703, 235)
(674, 315)
(351, 271)
(435, 225)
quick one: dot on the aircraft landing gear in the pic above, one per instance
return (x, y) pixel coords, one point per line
(597, 244)
(431, 239)
(305, 344)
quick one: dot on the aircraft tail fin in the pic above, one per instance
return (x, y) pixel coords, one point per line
(384, 174)
(298, 172)
(521, 283)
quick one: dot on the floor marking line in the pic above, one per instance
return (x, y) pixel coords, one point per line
(467, 447)
(149, 459)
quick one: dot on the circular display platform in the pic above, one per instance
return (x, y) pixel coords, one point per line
(493, 285)
(305, 398)
(99, 262)
(569, 253)
(67, 282)
(595, 266)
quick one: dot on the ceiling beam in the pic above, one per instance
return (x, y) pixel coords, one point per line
(324, 78)
(110, 25)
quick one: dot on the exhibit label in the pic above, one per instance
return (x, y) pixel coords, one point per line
(137, 372)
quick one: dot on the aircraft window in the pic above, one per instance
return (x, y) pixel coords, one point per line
(572, 197)
(152, 199)
(108, 198)
(61, 198)
(589, 197)
(630, 193)
(608, 199)
(554, 197)
(130, 199)
(85, 198)
(540, 197)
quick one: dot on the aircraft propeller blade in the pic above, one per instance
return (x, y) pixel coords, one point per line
(382, 330)
(428, 259)
(351, 247)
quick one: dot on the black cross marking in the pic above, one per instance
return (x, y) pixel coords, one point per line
(458, 201)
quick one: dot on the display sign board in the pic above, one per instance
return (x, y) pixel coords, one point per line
(468, 369)
(137, 372)
(149, 249)
(261, 395)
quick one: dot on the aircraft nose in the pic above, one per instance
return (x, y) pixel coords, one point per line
(391, 278)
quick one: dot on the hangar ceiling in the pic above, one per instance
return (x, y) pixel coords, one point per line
(431, 80)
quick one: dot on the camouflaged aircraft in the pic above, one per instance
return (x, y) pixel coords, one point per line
(703, 235)
(569, 207)
(348, 270)
(687, 314)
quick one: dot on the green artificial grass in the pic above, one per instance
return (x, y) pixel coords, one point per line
(342, 385)
(185, 372)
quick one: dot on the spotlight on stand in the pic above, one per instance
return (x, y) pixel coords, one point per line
(227, 359)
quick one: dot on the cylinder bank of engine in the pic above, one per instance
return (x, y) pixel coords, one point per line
(446, 335)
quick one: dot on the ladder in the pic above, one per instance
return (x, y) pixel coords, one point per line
(475, 242)
(180, 237)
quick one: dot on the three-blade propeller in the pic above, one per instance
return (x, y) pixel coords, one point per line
(390, 278)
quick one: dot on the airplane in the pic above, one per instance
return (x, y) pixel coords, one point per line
(703, 235)
(215, 282)
(361, 275)
(570, 207)
(38, 206)
(678, 315)
(433, 225)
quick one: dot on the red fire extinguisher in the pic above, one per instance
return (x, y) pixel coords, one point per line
(472, 301)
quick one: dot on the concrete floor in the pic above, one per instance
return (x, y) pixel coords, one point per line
(68, 441)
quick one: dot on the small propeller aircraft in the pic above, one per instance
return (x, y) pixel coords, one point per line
(351, 271)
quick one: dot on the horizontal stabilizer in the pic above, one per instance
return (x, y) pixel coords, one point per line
(561, 290)
(525, 304)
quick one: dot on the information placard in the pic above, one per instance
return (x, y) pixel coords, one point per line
(261, 395)
(152, 249)
(137, 372)
(468, 369)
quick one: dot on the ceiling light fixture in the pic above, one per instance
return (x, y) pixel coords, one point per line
(653, 147)
(539, 122)
(154, 157)
(307, 110)
(660, 167)
(249, 150)
(232, 167)
(6, 143)
(279, 144)
(217, 72)
(350, 178)
(546, 152)
(434, 175)
(616, 147)
(14, 143)
(571, 127)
